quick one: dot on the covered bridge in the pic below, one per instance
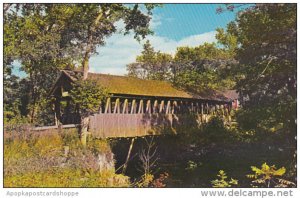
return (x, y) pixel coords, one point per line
(138, 107)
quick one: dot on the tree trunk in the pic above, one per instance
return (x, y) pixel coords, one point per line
(85, 64)
(84, 129)
(33, 97)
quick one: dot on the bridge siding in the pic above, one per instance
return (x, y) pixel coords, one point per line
(132, 125)
(131, 118)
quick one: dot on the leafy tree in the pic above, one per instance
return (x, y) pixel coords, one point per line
(228, 41)
(266, 73)
(201, 68)
(151, 64)
(193, 68)
(32, 42)
(87, 96)
(47, 37)
(88, 25)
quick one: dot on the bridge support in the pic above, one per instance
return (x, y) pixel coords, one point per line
(128, 155)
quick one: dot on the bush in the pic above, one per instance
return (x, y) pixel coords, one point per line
(215, 131)
(269, 176)
(223, 181)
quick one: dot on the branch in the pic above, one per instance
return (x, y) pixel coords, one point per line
(6, 6)
(272, 58)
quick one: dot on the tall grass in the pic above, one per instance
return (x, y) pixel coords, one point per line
(56, 159)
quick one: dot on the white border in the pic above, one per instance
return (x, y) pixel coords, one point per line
(123, 192)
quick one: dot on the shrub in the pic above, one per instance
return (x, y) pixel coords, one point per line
(222, 181)
(269, 176)
(215, 131)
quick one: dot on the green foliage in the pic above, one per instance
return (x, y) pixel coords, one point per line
(16, 149)
(87, 95)
(229, 41)
(28, 145)
(215, 131)
(151, 64)
(71, 139)
(66, 177)
(196, 69)
(269, 176)
(69, 33)
(15, 100)
(98, 145)
(54, 159)
(148, 180)
(223, 182)
(191, 165)
(266, 74)
(29, 36)
(145, 181)
(201, 68)
(45, 147)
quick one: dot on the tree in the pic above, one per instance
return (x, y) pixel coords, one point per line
(47, 37)
(31, 40)
(228, 41)
(266, 73)
(193, 68)
(151, 64)
(201, 68)
(90, 24)
(87, 95)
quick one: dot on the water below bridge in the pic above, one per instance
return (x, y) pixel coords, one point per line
(196, 165)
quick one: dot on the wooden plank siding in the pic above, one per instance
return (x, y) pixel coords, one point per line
(124, 117)
(138, 107)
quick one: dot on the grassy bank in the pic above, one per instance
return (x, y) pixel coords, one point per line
(57, 159)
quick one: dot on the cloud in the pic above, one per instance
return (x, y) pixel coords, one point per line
(121, 50)
(199, 39)
(155, 22)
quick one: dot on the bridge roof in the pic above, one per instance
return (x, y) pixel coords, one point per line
(135, 86)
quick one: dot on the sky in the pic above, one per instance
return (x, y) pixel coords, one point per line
(174, 25)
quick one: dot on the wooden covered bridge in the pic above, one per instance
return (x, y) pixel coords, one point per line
(139, 107)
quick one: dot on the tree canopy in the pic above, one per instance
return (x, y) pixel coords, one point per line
(266, 73)
(47, 37)
(194, 68)
(255, 54)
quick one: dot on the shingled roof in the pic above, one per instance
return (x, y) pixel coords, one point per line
(135, 86)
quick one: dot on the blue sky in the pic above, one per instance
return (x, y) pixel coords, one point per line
(182, 20)
(174, 25)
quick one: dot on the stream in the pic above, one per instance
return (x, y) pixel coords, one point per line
(196, 165)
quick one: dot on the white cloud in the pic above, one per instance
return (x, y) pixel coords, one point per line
(199, 39)
(121, 50)
(155, 22)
